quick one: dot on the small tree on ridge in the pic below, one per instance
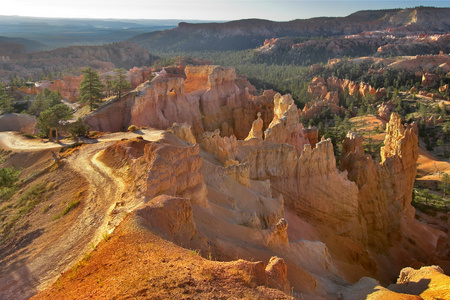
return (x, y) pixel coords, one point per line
(91, 88)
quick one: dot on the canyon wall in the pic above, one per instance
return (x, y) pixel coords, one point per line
(384, 190)
(208, 99)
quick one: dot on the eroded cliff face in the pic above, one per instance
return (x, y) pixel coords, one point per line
(175, 171)
(334, 87)
(309, 182)
(385, 189)
(285, 126)
(161, 168)
(248, 179)
(210, 98)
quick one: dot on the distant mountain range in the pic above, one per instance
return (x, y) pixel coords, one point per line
(251, 33)
(10, 46)
(55, 32)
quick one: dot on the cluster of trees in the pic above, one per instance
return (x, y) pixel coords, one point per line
(5, 100)
(53, 115)
(92, 89)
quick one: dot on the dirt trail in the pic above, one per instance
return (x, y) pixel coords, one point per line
(43, 264)
(15, 141)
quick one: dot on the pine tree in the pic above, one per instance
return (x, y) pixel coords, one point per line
(43, 101)
(5, 100)
(91, 88)
(50, 119)
(120, 83)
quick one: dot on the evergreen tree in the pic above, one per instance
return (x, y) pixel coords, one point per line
(108, 85)
(5, 100)
(51, 119)
(91, 88)
(120, 82)
(44, 100)
(78, 128)
(445, 184)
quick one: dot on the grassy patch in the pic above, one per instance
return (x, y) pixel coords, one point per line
(105, 236)
(72, 205)
(29, 136)
(32, 196)
(23, 204)
(194, 252)
(79, 265)
(5, 154)
(46, 209)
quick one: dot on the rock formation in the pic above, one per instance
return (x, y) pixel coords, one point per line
(385, 110)
(306, 180)
(208, 99)
(426, 283)
(312, 134)
(183, 131)
(383, 207)
(276, 235)
(333, 87)
(170, 217)
(175, 171)
(169, 170)
(137, 76)
(257, 129)
(18, 122)
(285, 126)
(240, 183)
(276, 271)
(429, 79)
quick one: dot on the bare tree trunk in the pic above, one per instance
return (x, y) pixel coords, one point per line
(50, 135)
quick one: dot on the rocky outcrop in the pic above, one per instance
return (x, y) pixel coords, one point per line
(383, 207)
(309, 183)
(170, 217)
(183, 131)
(208, 99)
(312, 134)
(385, 110)
(18, 122)
(276, 271)
(285, 126)
(68, 87)
(314, 108)
(352, 143)
(429, 79)
(273, 275)
(175, 171)
(427, 282)
(169, 170)
(276, 236)
(326, 94)
(224, 148)
(137, 76)
(257, 129)
(333, 88)
(370, 289)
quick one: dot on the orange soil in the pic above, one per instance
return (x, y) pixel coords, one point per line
(366, 126)
(136, 264)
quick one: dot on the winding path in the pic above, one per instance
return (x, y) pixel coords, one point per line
(23, 275)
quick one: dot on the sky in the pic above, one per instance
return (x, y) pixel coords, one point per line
(277, 10)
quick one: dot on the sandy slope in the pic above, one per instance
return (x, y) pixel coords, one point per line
(37, 256)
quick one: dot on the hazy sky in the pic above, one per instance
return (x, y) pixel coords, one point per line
(280, 10)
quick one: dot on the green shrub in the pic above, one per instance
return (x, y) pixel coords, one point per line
(132, 128)
(78, 128)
